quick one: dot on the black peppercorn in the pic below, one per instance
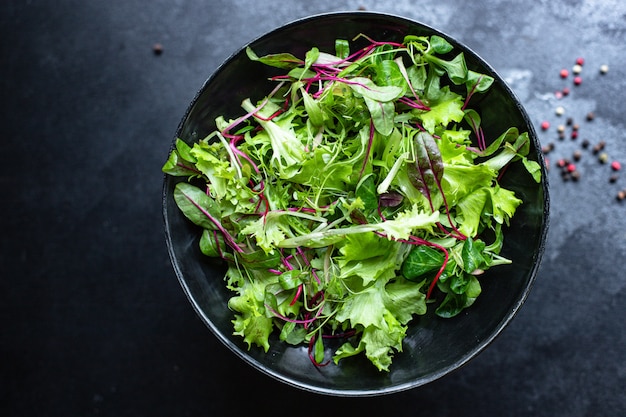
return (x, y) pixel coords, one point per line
(577, 155)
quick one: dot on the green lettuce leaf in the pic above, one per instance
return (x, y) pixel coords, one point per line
(251, 322)
(449, 108)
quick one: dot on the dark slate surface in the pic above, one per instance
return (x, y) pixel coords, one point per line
(94, 321)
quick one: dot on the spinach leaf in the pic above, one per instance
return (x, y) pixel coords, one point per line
(197, 206)
(451, 305)
(282, 60)
(472, 255)
(258, 259)
(388, 73)
(422, 261)
(455, 302)
(456, 68)
(366, 191)
(440, 45)
(181, 163)
(212, 244)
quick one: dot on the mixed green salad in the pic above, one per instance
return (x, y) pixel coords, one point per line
(360, 192)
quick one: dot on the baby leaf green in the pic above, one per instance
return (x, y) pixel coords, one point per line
(422, 261)
(196, 205)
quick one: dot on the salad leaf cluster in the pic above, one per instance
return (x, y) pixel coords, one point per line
(357, 194)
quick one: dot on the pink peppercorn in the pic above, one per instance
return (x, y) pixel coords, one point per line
(565, 91)
(545, 125)
(616, 166)
(580, 61)
(564, 73)
(571, 168)
(578, 80)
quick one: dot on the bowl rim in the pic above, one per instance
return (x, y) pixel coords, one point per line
(469, 355)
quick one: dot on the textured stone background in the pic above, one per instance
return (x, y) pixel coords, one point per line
(94, 321)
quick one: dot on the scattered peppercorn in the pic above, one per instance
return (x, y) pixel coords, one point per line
(603, 158)
(598, 147)
(548, 148)
(157, 49)
(568, 167)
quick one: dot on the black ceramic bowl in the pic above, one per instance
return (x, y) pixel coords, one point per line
(433, 347)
